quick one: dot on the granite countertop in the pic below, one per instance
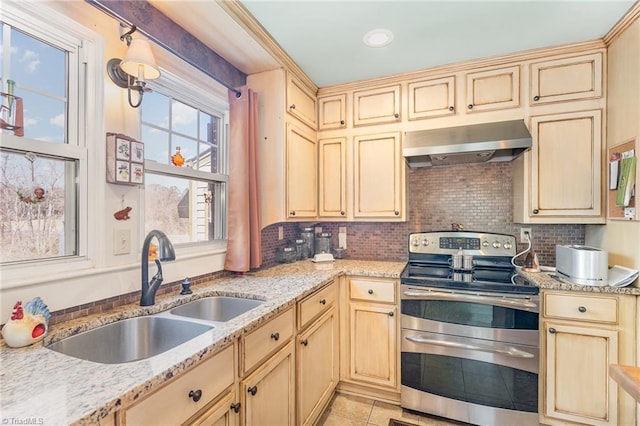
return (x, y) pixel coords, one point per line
(628, 377)
(47, 387)
(554, 281)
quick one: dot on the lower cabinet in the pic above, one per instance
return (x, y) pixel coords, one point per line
(268, 394)
(581, 336)
(225, 412)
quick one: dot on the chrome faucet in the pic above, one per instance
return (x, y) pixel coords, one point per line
(165, 253)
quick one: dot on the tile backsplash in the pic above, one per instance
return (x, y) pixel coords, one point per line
(479, 196)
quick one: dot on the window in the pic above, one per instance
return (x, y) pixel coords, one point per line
(185, 182)
(42, 165)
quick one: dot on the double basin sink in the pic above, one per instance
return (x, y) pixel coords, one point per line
(139, 338)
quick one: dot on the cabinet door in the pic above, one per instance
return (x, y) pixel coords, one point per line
(431, 98)
(376, 106)
(566, 161)
(317, 373)
(378, 176)
(301, 172)
(576, 381)
(493, 89)
(268, 395)
(301, 103)
(373, 344)
(223, 413)
(332, 165)
(566, 79)
(332, 112)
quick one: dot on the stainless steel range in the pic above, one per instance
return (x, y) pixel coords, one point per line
(470, 347)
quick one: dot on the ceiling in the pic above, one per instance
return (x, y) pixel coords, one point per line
(324, 38)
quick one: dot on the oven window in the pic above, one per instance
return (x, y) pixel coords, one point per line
(471, 381)
(474, 314)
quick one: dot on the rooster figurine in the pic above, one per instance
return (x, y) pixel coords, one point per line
(28, 324)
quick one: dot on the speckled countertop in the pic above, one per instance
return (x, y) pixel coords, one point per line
(554, 281)
(54, 389)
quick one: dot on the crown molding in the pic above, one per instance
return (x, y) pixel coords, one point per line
(625, 22)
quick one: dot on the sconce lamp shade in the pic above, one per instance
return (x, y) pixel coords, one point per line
(139, 61)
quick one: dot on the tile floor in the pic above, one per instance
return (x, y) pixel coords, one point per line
(348, 410)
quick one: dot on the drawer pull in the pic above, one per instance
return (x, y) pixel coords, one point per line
(253, 390)
(470, 106)
(195, 395)
(391, 313)
(552, 330)
(536, 98)
(451, 108)
(370, 291)
(582, 309)
(293, 106)
(342, 122)
(323, 302)
(275, 336)
(396, 115)
(305, 342)
(235, 407)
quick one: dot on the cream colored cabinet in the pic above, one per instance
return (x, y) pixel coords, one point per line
(377, 106)
(560, 180)
(582, 334)
(301, 103)
(332, 177)
(332, 112)
(373, 324)
(301, 173)
(225, 412)
(268, 394)
(265, 340)
(188, 395)
(493, 89)
(431, 98)
(378, 176)
(566, 79)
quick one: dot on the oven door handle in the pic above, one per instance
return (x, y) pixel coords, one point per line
(504, 301)
(510, 351)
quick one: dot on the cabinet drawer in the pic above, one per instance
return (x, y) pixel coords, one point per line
(584, 308)
(315, 304)
(372, 290)
(267, 339)
(173, 405)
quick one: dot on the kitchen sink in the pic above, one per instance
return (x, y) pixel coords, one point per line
(216, 308)
(130, 339)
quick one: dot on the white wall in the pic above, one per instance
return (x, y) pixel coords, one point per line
(622, 239)
(103, 275)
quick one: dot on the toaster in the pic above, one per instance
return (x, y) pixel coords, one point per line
(583, 264)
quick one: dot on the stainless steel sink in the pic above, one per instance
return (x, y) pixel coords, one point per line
(130, 339)
(216, 308)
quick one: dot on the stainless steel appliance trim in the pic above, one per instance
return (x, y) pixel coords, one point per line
(464, 411)
(523, 302)
(433, 243)
(495, 348)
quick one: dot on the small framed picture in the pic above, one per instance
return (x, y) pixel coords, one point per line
(123, 149)
(123, 171)
(137, 152)
(137, 173)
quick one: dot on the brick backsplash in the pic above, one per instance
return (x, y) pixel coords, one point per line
(479, 196)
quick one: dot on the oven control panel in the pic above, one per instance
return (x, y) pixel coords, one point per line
(471, 243)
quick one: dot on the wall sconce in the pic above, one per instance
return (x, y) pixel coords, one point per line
(137, 66)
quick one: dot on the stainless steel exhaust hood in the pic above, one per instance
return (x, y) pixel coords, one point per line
(477, 143)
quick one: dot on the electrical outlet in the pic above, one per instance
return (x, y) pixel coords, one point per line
(121, 242)
(523, 236)
(280, 232)
(318, 229)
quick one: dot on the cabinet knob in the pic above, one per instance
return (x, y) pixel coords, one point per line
(292, 213)
(582, 309)
(552, 330)
(323, 301)
(536, 98)
(370, 291)
(305, 342)
(235, 407)
(397, 213)
(342, 122)
(451, 108)
(396, 115)
(470, 106)
(293, 106)
(195, 395)
(391, 313)
(275, 336)
(342, 213)
(253, 390)
(536, 211)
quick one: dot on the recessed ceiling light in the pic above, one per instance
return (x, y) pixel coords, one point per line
(378, 38)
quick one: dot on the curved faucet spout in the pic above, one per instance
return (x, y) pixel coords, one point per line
(165, 252)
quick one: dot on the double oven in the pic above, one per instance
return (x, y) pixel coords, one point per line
(469, 330)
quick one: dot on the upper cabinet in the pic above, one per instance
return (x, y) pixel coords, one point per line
(301, 103)
(332, 112)
(493, 89)
(301, 172)
(332, 177)
(431, 98)
(566, 79)
(376, 106)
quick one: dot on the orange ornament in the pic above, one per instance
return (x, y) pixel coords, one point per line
(177, 159)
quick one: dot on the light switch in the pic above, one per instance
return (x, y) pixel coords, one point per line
(280, 233)
(121, 242)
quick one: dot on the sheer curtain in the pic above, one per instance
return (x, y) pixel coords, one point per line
(243, 243)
